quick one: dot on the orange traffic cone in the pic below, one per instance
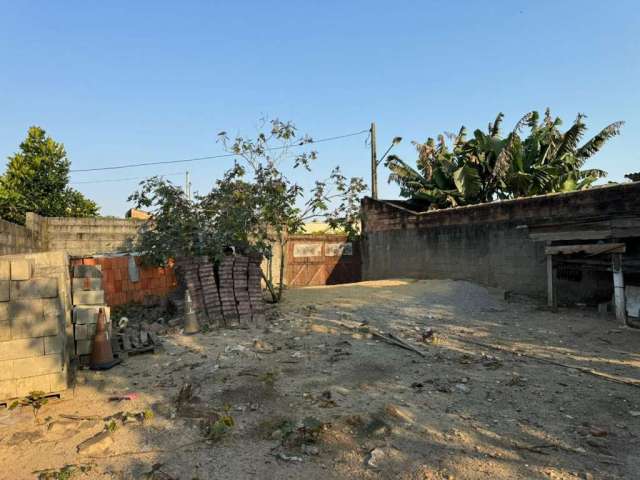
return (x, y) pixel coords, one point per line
(101, 353)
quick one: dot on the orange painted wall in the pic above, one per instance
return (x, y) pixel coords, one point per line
(118, 289)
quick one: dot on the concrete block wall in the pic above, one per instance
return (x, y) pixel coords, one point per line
(77, 236)
(17, 239)
(88, 236)
(488, 243)
(34, 323)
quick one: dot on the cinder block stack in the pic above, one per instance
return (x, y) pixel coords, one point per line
(254, 287)
(32, 330)
(227, 297)
(188, 271)
(210, 293)
(88, 299)
(231, 298)
(240, 290)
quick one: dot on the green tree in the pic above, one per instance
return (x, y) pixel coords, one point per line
(489, 167)
(37, 180)
(253, 206)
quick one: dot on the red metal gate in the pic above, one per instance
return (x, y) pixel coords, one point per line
(322, 260)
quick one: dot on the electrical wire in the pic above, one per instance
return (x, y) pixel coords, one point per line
(224, 155)
(124, 179)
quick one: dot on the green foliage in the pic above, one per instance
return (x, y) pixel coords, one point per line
(218, 426)
(488, 167)
(252, 207)
(36, 400)
(37, 180)
(65, 473)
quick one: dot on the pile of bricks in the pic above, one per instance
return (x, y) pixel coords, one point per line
(32, 324)
(88, 299)
(230, 297)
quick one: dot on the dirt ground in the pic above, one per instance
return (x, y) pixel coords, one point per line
(333, 402)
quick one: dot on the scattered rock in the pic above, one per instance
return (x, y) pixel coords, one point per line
(461, 387)
(260, 346)
(288, 458)
(99, 443)
(634, 413)
(399, 413)
(598, 432)
(374, 458)
(310, 449)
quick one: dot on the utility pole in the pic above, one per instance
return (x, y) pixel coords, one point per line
(187, 185)
(374, 163)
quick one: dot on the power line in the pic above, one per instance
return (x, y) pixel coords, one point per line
(125, 179)
(224, 155)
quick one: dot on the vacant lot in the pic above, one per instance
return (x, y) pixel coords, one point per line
(318, 397)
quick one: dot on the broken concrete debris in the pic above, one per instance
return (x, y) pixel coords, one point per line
(374, 458)
(99, 443)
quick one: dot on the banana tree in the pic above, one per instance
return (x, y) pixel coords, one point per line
(488, 167)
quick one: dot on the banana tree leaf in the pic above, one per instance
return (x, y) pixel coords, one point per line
(467, 181)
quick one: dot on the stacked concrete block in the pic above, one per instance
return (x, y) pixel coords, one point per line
(210, 293)
(254, 287)
(88, 299)
(34, 307)
(230, 296)
(188, 270)
(227, 297)
(240, 290)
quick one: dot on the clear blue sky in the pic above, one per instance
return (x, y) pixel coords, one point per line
(121, 82)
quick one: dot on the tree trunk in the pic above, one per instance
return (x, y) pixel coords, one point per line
(282, 243)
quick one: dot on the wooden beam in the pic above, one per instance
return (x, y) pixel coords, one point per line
(590, 249)
(618, 288)
(571, 235)
(551, 300)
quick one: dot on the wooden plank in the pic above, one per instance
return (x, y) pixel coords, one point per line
(590, 249)
(618, 288)
(571, 235)
(550, 296)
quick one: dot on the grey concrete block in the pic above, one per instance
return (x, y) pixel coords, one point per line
(21, 269)
(45, 326)
(26, 309)
(5, 270)
(26, 385)
(30, 367)
(87, 314)
(88, 297)
(54, 344)
(92, 271)
(84, 331)
(35, 288)
(8, 389)
(57, 381)
(86, 283)
(83, 347)
(5, 290)
(4, 312)
(23, 348)
(5, 331)
(53, 305)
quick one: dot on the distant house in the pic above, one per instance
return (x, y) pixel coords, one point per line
(137, 214)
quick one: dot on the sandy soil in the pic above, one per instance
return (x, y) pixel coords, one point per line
(330, 402)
